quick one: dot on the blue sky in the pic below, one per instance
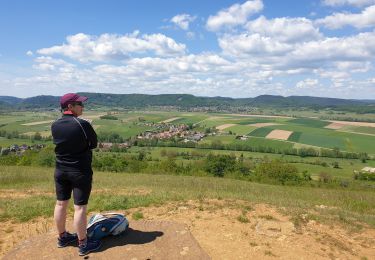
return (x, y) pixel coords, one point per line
(206, 48)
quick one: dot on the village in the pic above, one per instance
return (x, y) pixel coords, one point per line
(167, 131)
(19, 149)
(161, 131)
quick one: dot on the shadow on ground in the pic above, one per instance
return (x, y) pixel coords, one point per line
(131, 237)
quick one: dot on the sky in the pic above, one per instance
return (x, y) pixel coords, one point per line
(239, 49)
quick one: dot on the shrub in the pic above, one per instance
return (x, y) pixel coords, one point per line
(367, 176)
(109, 117)
(218, 164)
(279, 171)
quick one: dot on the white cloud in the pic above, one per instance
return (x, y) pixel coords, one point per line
(334, 75)
(183, 20)
(244, 45)
(49, 64)
(234, 15)
(353, 66)
(86, 48)
(29, 53)
(307, 83)
(285, 29)
(277, 55)
(355, 48)
(361, 20)
(357, 3)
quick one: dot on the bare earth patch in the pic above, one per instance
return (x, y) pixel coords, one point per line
(38, 123)
(13, 194)
(170, 120)
(225, 229)
(354, 123)
(263, 124)
(96, 116)
(279, 134)
(222, 127)
(335, 126)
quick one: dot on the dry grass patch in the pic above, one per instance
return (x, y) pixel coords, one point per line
(335, 126)
(279, 134)
(38, 123)
(222, 127)
(354, 123)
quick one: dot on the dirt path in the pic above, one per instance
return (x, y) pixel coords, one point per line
(228, 229)
(38, 123)
(170, 120)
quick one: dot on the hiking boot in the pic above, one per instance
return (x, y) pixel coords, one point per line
(66, 239)
(89, 246)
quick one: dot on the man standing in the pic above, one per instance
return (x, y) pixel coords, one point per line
(74, 138)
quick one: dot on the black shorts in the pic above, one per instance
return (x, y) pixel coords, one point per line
(79, 182)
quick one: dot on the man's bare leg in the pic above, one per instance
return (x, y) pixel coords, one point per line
(80, 220)
(60, 215)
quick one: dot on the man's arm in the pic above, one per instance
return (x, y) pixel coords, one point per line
(91, 135)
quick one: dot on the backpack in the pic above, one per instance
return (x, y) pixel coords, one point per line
(106, 224)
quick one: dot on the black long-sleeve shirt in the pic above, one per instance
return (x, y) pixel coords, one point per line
(74, 138)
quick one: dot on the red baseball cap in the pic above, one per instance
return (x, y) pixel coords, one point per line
(70, 98)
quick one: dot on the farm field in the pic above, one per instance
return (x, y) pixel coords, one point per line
(359, 129)
(304, 131)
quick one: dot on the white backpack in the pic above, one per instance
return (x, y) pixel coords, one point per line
(106, 224)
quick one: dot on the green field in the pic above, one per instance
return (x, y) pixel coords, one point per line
(310, 122)
(359, 129)
(240, 129)
(323, 137)
(261, 132)
(262, 142)
(224, 139)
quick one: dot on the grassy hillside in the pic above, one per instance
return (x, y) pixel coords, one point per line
(109, 190)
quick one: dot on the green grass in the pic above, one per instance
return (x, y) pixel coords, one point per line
(261, 132)
(224, 139)
(359, 129)
(189, 119)
(165, 188)
(263, 142)
(137, 215)
(295, 137)
(310, 122)
(240, 129)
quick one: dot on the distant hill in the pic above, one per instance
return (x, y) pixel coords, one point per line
(10, 100)
(190, 101)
